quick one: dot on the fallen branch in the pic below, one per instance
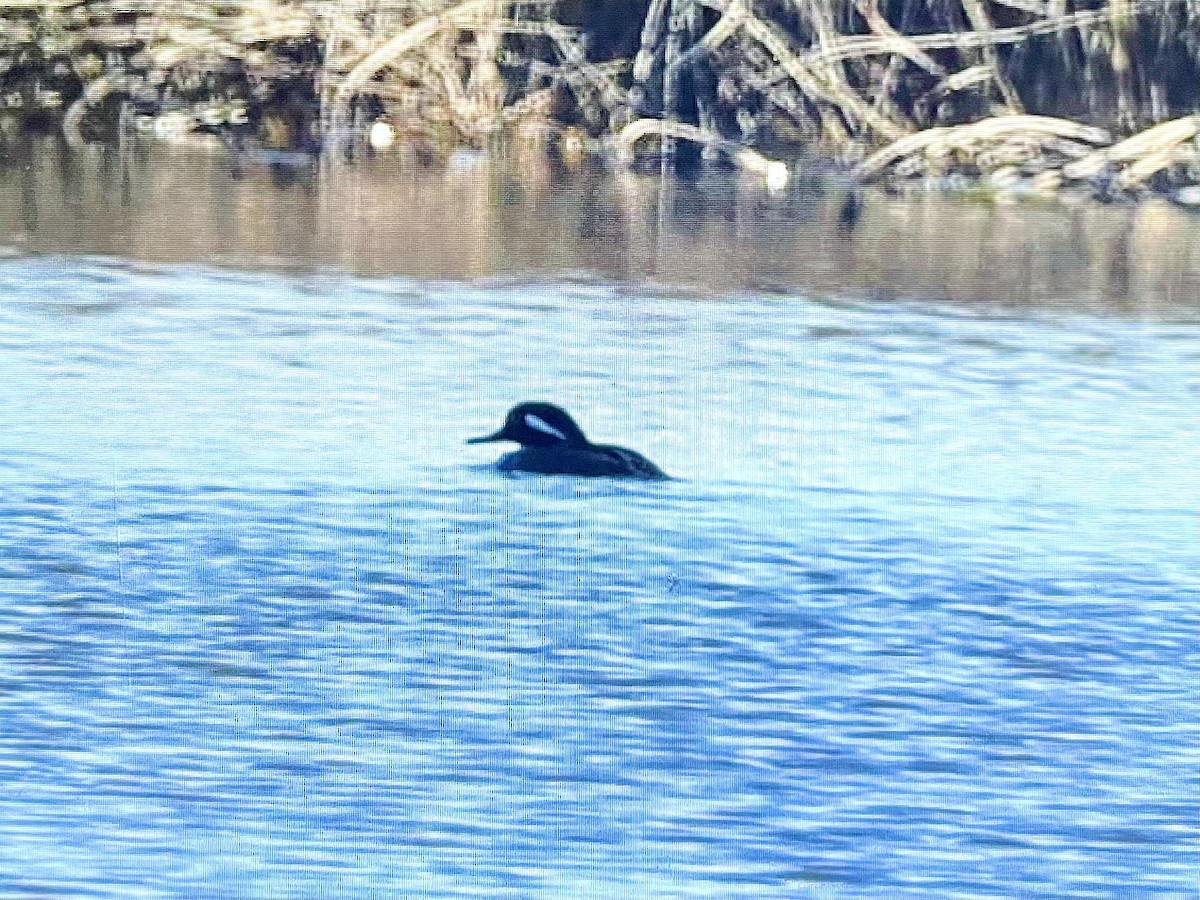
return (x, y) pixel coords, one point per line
(743, 157)
(981, 22)
(818, 88)
(870, 45)
(1164, 138)
(968, 138)
(896, 42)
(386, 54)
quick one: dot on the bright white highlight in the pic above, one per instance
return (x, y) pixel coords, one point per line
(381, 136)
(544, 427)
(776, 176)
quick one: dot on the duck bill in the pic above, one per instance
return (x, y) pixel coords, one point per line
(488, 439)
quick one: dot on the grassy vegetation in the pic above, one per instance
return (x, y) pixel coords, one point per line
(1103, 91)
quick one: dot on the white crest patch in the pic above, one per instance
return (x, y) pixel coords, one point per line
(543, 426)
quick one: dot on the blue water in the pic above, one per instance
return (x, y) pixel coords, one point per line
(917, 617)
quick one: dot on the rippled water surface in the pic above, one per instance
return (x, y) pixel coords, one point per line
(917, 617)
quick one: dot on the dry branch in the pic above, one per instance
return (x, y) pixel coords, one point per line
(861, 46)
(975, 137)
(842, 72)
(380, 58)
(1163, 144)
(895, 41)
(744, 157)
(810, 83)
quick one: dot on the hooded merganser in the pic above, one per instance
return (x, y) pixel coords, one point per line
(552, 444)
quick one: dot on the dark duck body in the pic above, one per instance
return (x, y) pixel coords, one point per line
(552, 444)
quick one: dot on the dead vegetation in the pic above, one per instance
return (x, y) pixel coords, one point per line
(1051, 91)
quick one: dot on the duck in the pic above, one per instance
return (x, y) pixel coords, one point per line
(552, 444)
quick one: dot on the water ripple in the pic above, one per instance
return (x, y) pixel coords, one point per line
(916, 619)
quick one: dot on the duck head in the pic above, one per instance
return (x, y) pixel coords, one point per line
(537, 425)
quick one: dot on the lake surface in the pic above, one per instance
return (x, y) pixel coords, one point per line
(916, 618)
